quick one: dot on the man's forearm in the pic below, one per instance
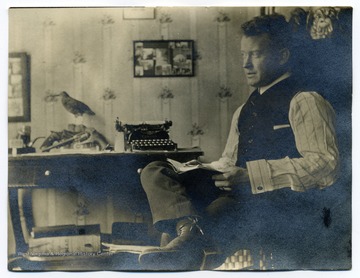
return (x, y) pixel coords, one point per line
(312, 121)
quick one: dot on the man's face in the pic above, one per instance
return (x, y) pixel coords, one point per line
(261, 62)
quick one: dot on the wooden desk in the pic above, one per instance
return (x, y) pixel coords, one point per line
(98, 172)
(90, 169)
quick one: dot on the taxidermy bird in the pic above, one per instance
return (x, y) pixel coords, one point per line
(75, 107)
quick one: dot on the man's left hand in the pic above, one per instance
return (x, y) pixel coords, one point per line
(235, 176)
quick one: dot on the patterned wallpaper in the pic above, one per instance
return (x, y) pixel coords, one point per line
(88, 53)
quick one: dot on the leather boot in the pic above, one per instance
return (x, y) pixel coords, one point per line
(185, 252)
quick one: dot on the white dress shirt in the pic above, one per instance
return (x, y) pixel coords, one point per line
(311, 118)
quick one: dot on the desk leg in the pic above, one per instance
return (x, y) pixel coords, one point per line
(109, 214)
(21, 246)
(26, 211)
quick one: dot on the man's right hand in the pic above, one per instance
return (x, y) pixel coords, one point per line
(235, 176)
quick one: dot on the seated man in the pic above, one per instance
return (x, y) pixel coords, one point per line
(281, 145)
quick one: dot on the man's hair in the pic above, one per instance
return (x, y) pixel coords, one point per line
(274, 25)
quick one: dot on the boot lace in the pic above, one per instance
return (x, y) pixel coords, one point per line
(193, 223)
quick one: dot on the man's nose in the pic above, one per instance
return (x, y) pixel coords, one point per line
(247, 63)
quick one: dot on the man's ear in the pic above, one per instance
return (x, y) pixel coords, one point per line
(284, 56)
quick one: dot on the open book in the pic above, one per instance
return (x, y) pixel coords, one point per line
(180, 167)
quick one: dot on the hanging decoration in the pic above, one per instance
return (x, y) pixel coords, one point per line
(50, 97)
(165, 19)
(107, 20)
(222, 17)
(196, 132)
(78, 58)
(108, 94)
(166, 93)
(224, 93)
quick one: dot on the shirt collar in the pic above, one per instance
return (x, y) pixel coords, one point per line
(281, 78)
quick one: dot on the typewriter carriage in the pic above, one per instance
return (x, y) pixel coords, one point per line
(147, 136)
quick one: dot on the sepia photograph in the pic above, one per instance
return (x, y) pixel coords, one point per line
(173, 139)
(167, 58)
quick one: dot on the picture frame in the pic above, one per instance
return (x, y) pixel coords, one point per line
(19, 87)
(164, 58)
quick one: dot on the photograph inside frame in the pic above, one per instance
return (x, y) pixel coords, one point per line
(180, 139)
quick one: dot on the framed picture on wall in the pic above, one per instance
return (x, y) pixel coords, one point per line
(19, 87)
(164, 58)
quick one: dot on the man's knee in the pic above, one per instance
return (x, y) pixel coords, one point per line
(153, 167)
(154, 164)
(154, 172)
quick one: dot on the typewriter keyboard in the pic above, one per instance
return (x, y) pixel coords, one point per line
(153, 144)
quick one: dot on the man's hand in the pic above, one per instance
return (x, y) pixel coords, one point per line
(234, 177)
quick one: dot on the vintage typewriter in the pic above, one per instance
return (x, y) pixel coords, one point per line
(148, 136)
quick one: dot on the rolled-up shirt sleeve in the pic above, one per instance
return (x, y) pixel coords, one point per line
(229, 155)
(312, 121)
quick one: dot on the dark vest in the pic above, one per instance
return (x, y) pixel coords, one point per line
(279, 214)
(261, 113)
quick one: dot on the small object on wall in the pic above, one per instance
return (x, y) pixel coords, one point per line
(224, 93)
(196, 130)
(19, 87)
(74, 106)
(164, 58)
(195, 133)
(222, 17)
(166, 93)
(165, 18)
(107, 20)
(108, 94)
(79, 58)
(50, 97)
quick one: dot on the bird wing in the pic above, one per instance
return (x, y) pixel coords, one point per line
(85, 109)
(76, 107)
